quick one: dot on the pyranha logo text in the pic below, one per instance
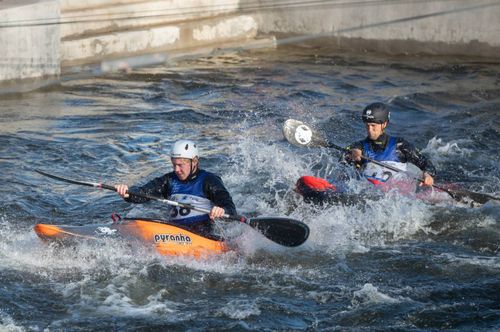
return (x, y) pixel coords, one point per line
(178, 238)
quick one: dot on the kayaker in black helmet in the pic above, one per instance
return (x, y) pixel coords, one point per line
(379, 146)
(188, 184)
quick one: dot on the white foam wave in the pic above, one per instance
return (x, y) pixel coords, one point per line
(116, 301)
(483, 261)
(240, 309)
(262, 174)
(7, 323)
(351, 228)
(369, 294)
(247, 242)
(438, 150)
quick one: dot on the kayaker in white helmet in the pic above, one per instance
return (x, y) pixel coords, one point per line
(189, 184)
(381, 147)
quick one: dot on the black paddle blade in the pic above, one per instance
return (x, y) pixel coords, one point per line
(285, 231)
(55, 177)
(467, 197)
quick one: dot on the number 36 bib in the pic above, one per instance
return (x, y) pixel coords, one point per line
(186, 215)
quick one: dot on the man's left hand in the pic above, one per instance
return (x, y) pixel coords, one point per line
(428, 180)
(216, 212)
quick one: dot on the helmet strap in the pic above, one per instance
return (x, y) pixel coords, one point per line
(385, 124)
(191, 171)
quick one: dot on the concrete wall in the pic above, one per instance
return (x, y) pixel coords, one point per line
(67, 36)
(28, 51)
(109, 29)
(42, 38)
(460, 27)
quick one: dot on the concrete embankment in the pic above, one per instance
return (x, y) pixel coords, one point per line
(456, 27)
(43, 38)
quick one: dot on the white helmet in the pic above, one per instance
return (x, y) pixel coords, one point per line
(184, 149)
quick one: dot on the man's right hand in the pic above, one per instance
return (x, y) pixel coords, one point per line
(355, 155)
(122, 190)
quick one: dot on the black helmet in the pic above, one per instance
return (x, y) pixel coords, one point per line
(376, 113)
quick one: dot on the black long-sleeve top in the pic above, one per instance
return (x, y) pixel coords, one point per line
(213, 188)
(406, 152)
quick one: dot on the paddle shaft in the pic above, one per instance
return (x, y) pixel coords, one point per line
(392, 168)
(163, 200)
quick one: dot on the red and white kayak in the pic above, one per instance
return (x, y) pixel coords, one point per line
(167, 239)
(320, 191)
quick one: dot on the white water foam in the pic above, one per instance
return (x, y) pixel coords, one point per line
(7, 324)
(463, 260)
(440, 151)
(262, 175)
(240, 309)
(354, 228)
(375, 224)
(370, 294)
(114, 299)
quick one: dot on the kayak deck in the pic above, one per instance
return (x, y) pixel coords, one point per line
(167, 239)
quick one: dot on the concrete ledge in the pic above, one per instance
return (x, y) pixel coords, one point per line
(172, 56)
(393, 47)
(113, 15)
(181, 36)
(72, 5)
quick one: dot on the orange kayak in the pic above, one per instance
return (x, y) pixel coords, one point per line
(168, 239)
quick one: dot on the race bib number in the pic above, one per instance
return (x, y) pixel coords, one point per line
(180, 212)
(381, 173)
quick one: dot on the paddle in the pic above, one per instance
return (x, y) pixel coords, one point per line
(300, 134)
(285, 231)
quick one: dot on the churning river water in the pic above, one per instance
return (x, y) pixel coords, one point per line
(394, 264)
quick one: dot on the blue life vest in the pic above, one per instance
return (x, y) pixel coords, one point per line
(190, 192)
(389, 156)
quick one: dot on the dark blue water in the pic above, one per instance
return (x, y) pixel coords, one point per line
(395, 264)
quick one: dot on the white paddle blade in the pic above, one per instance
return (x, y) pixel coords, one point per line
(296, 132)
(303, 135)
(300, 134)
